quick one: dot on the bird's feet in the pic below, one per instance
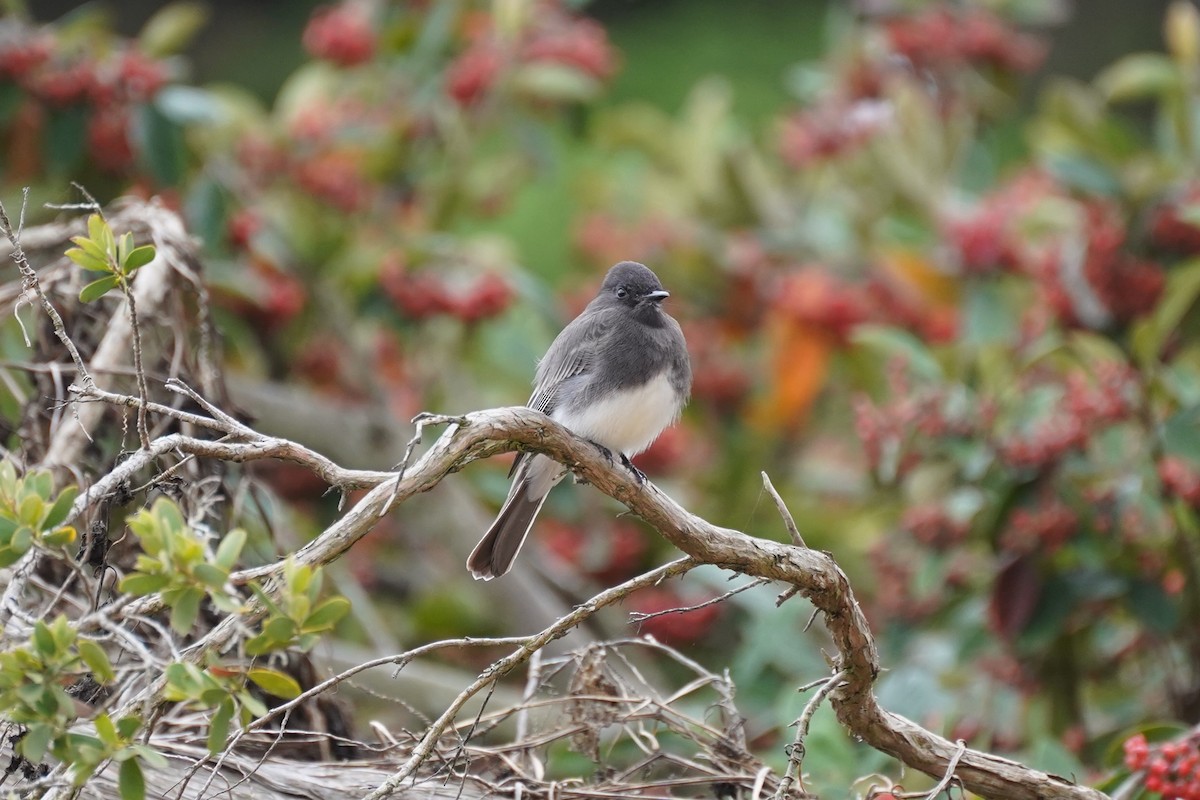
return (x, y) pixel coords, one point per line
(638, 475)
(604, 451)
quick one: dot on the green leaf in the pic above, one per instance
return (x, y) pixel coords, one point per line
(1139, 76)
(128, 725)
(211, 576)
(218, 730)
(1083, 173)
(1180, 434)
(259, 645)
(36, 741)
(326, 615)
(1178, 297)
(1153, 606)
(63, 140)
(43, 640)
(182, 681)
(97, 289)
(32, 511)
(556, 83)
(106, 730)
(87, 260)
(168, 516)
(171, 28)
(99, 232)
(895, 342)
(186, 609)
(22, 540)
(139, 257)
(281, 629)
(252, 704)
(231, 547)
(131, 783)
(93, 249)
(275, 682)
(148, 754)
(8, 556)
(41, 483)
(62, 507)
(142, 584)
(124, 245)
(60, 537)
(97, 660)
(164, 152)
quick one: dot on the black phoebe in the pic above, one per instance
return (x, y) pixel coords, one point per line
(617, 375)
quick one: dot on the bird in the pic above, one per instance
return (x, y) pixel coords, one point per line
(618, 375)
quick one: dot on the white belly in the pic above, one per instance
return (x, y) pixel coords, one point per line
(626, 422)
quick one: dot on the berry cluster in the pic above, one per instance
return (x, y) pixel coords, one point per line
(554, 37)
(54, 76)
(1172, 769)
(895, 434)
(341, 34)
(944, 38)
(1043, 527)
(1180, 478)
(1087, 276)
(934, 526)
(421, 295)
(1174, 224)
(987, 237)
(831, 130)
(1110, 286)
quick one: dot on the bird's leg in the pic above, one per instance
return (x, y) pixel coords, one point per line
(604, 451)
(638, 475)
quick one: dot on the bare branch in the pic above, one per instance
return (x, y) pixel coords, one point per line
(792, 772)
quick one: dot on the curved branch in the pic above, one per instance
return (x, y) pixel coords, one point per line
(814, 574)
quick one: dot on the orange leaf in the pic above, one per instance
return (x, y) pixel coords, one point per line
(915, 276)
(799, 362)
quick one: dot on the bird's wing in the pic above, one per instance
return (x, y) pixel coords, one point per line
(573, 353)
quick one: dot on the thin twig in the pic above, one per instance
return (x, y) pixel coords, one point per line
(640, 616)
(30, 282)
(788, 521)
(792, 772)
(501, 667)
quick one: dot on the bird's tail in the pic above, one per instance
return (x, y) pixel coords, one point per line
(494, 554)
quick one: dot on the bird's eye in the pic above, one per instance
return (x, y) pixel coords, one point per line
(622, 292)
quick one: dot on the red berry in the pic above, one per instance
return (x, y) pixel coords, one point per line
(472, 75)
(341, 34)
(580, 43)
(139, 77)
(64, 85)
(20, 55)
(815, 296)
(1180, 478)
(242, 226)
(334, 178)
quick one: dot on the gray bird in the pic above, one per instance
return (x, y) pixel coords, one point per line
(618, 375)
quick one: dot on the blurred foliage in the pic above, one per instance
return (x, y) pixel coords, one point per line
(969, 362)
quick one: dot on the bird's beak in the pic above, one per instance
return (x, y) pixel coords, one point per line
(656, 297)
